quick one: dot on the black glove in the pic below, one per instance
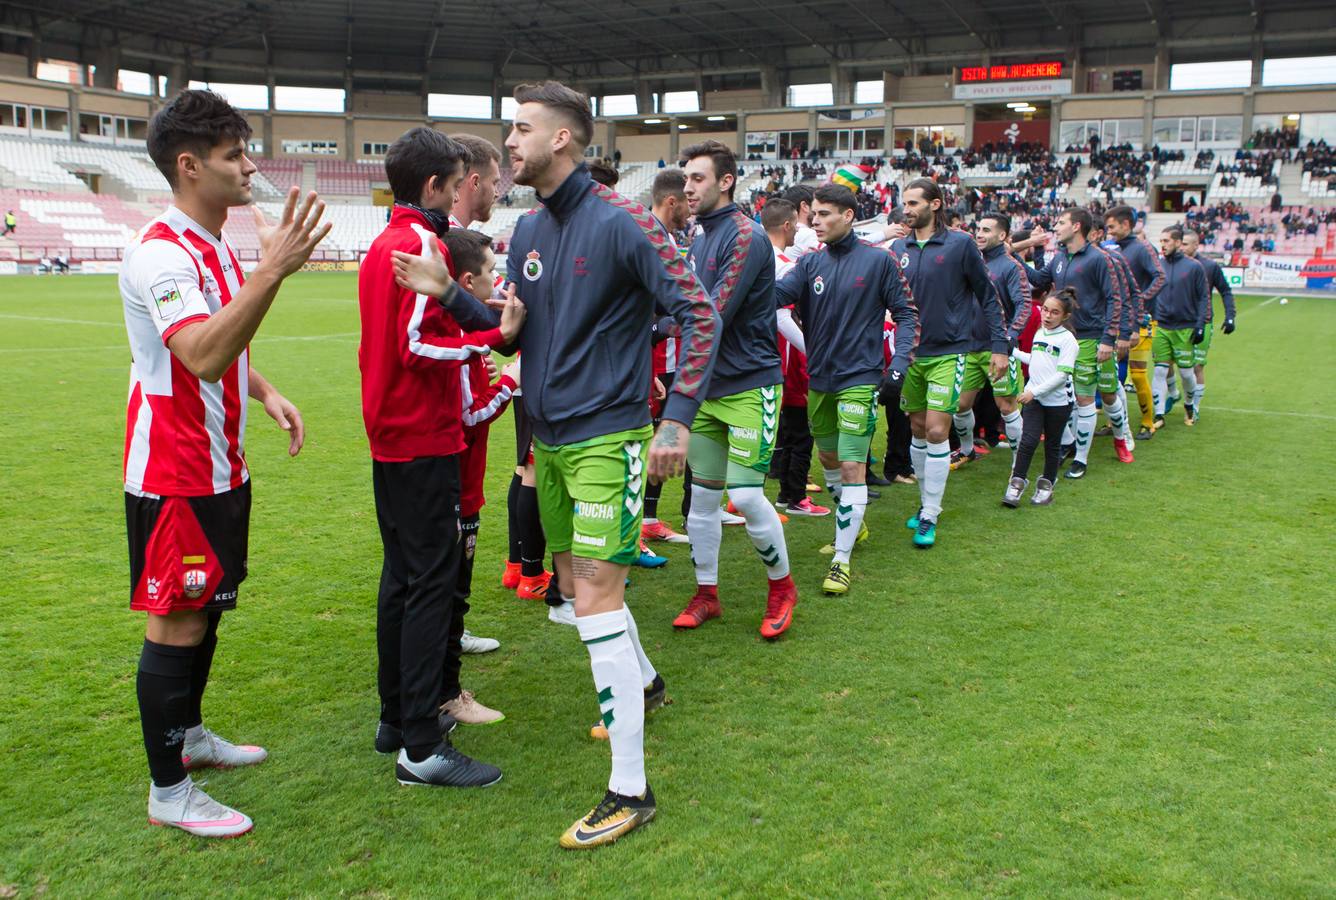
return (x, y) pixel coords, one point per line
(1199, 335)
(891, 383)
(1229, 326)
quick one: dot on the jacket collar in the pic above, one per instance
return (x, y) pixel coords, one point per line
(844, 244)
(405, 214)
(995, 252)
(569, 194)
(715, 217)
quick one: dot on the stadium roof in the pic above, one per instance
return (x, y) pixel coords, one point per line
(611, 40)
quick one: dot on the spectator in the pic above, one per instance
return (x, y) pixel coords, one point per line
(11, 223)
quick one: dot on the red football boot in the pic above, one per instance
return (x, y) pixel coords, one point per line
(703, 607)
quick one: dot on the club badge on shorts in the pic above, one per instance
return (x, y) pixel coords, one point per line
(818, 286)
(194, 581)
(533, 266)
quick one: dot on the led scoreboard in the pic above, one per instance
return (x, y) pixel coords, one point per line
(1011, 72)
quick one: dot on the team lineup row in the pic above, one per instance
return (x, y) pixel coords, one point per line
(597, 286)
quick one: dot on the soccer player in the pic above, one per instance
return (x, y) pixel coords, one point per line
(1129, 298)
(1098, 323)
(841, 296)
(949, 281)
(189, 315)
(804, 238)
(477, 190)
(1149, 275)
(1180, 314)
(1013, 290)
(410, 358)
(668, 202)
(1216, 280)
(793, 450)
(733, 435)
(592, 265)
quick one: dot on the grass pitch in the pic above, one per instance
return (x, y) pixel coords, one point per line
(1129, 692)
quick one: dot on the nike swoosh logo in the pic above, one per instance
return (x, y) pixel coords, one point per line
(782, 622)
(587, 836)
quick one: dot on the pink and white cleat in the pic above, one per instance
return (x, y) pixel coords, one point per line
(199, 814)
(208, 750)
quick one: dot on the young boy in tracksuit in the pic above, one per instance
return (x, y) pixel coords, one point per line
(841, 295)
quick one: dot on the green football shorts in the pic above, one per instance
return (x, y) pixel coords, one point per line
(1173, 344)
(844, 422)
(590, 494)
(935, 382)
(1090, 374)
(1200, 350)
(733, 437)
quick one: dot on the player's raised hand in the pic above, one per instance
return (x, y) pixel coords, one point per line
(422, 274)
(668, 450)
(288, 244)
(512, 315)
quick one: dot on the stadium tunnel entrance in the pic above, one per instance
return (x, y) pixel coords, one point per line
(1012, 122)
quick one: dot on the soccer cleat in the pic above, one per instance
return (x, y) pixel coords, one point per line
(1043, 493)
(616, 815)
(837, 579)
(779, 608)
(659, 531)
(1189, 415)
(926, 533)
(703, 607)
(446, 767)
(729, 507)
(1104, 432)
(467, 710)
(648, 559)
(562, 614)
(656, 695)
(471, 643)
(199, 814)
(1145, 434)
(1159, 423)
(1077, 470)
(981, 448)
(812, 488)
(905, 479)
(1124, 451)
(873, 495)
(960, 458)
(912, 522)
(1015, 487)
(829, 549)
(211, 751)
(389, 739)
(510, 578)
(533, 587)
(1169, 404)
(805, 507)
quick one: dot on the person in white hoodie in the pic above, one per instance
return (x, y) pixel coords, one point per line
(1047, 404)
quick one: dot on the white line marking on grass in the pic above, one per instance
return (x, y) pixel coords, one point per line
(1271, 412)
(56, 321)
(343, 335)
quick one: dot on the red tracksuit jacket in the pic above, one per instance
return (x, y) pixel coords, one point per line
(481, 401)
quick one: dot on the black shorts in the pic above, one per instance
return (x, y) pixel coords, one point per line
(187, 553)
(523, 433)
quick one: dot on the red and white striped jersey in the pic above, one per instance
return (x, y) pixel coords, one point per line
(184, 437)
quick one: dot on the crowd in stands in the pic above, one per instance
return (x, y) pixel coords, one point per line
(1258, 165)
(1317, 158)
(1119, 169)
(1282, 138)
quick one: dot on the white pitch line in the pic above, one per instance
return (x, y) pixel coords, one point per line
(56, 321)
(343, 335)
(1271, 412)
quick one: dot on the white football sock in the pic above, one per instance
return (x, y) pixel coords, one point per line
(705, 528)
(1085, 430)
(1198, 394)
(647, 670)
(1159, 388)
(1012, 423)
(1069, 430)
(849, 520)
(1173, 386)
(963, 423)
(1189, 384)
(833, 482)
(936, 468)
(1117, 413)
(918, 458)
(621, 696)
(764, 529)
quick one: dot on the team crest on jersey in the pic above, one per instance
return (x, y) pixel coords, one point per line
(167, 298)
(904, 261)
(193, 582)
(533, 266)
(818, 286)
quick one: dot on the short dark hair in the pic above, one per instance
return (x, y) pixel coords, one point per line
(468, 249)
(1002, 219)
(725, 162)
(1125, 214)
(835, 195)
(194, 122)
(1021, 234)
(776, 212)
(603, 173)
(1189, 231)
(668, 183)
(570, 103)
(1174, 232)
(798, 194)
(481, 151)
(419, 154)
(1079, 217)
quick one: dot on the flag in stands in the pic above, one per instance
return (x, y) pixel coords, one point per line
(851, 176)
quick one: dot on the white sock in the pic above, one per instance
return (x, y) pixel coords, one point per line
(963, 423)
(918, 457)
(1189, 383)
(935, 469)
(1173, 386)
(1117, 413)
(1126, 431)
(833, 482)
(1198, 394)
(194, 734)
(764, 529)
(705, 528)
(1069, 430)
(1011, 422)
(172, 794)
(647, 670)
(648, 521)
(1085, 429)
(1159, 388)
(849, 520)
(621, 696)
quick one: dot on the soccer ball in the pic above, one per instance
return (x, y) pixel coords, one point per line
(1284, 300)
